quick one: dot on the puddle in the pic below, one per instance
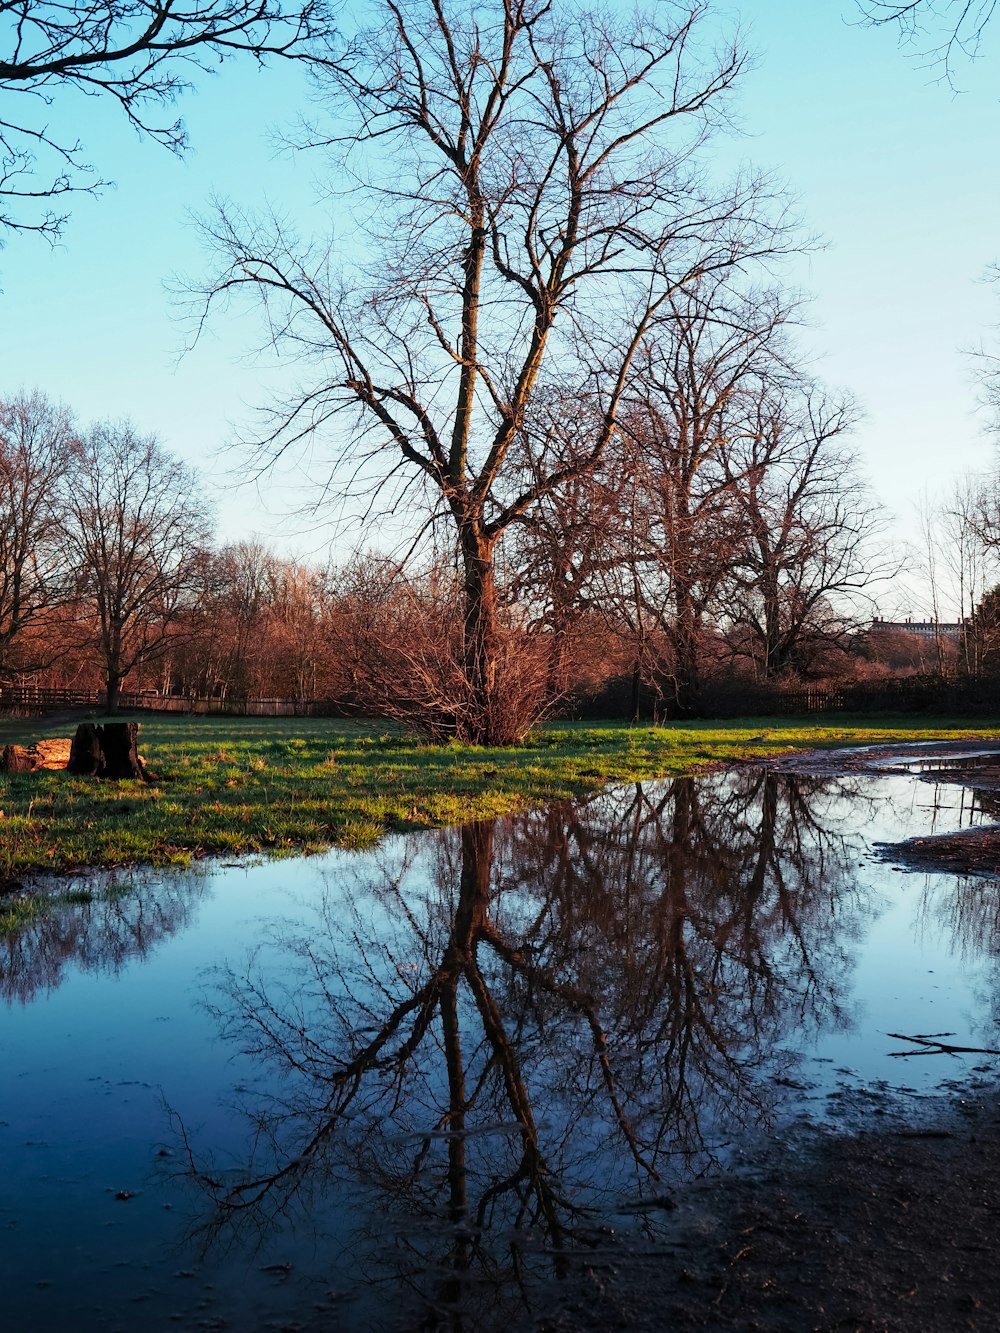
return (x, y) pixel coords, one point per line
(945, 763)
(412, 1086)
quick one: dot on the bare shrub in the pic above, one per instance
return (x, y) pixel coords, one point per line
(401, 638)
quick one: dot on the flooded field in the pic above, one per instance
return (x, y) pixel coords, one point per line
(418, 1087)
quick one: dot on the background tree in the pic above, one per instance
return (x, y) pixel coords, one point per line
(532, 198)
(981, 636)
(679, 531)
(552, 563)
(138, 53)
(38, 447)
(140, 534)
(961, 540)
(231, 656)
(809, 530)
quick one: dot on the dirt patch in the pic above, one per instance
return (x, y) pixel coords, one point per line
(895, 758)
(892, 1228)
(971, 852)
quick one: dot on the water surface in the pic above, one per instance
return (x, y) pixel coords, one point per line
(418, 1084)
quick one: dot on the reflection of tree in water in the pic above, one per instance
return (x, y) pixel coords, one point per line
(964, 909)
(712, 918)
(118, 924)
(550, 1023)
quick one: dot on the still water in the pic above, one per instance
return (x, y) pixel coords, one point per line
(408, 1087)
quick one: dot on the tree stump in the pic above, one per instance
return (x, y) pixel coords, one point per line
(107, 750)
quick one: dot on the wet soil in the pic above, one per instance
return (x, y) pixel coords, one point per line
(893, 758)
(892, 1225)
(971, 852)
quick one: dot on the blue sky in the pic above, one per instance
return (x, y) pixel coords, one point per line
(894, 172)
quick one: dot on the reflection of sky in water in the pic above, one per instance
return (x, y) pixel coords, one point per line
(795, 947)
(914, 969)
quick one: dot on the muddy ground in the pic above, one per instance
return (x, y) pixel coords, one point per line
(887, 1220)
(887, 1224)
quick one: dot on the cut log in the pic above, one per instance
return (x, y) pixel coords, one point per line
(49, 755)
(16, 759)
(107, 750)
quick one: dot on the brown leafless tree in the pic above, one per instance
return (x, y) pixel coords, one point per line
(139, 54)
(229, 655)
(678, 539)
(37, 449)
(139, 533)
(397, 636)
(526, 180)
(961, 540)
(810, 546)
(980, 642)
(552, 564)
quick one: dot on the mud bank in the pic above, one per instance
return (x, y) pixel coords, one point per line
(888, 1222)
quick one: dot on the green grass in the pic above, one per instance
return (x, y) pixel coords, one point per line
(232, 786)
(20, 911)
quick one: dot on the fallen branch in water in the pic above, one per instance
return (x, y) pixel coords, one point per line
(932, 1046)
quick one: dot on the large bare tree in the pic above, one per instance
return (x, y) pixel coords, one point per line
(37, 449)
(528, 192)
(139, 531)
(139, 54)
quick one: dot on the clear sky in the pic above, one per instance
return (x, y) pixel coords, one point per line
(897, 174)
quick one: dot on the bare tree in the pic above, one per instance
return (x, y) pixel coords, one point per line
(228, 655)
(980, 644)
(397, 636)
(527, 181)
(554, 566)
(679, 541)
(810, 548)
(962, 540)
(37, 449)
(300, 630)
(138, 53)
(969, 531)
(139, 532)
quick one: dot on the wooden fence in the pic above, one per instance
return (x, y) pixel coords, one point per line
(45, 699)
(913, 694)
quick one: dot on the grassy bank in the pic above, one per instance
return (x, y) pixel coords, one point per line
(236, 785)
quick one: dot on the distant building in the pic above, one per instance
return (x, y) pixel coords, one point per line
(926, 629)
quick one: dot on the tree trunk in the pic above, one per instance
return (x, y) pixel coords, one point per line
(108, 750)
(775, 645)
(481, 643)
(636, 704)
(685, 683)
(50, 754)
(114, 690)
